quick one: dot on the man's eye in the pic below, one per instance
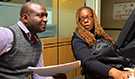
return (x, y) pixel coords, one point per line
(46, 14)
(42, 15)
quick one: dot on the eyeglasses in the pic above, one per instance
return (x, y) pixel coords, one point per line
(84, 18)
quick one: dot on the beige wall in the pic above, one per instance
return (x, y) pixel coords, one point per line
(55, 52)
(65, 18)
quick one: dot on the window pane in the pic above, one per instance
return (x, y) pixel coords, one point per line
(14, 1)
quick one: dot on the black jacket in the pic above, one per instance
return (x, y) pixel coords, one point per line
(93, 68)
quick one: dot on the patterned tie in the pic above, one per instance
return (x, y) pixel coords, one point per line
(32, 38)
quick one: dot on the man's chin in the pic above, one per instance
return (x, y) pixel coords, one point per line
(40, 31)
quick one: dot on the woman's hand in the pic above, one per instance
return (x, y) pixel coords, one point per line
(118, 74)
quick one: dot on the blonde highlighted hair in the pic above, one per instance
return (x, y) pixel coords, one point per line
(86, 34)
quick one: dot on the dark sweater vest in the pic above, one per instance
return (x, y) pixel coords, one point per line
(13, 64)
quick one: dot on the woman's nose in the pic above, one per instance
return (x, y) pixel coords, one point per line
(85, 20)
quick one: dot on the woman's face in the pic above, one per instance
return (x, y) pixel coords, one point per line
(86, 19)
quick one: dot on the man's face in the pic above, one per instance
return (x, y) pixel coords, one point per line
(86, 19)
(37, 19)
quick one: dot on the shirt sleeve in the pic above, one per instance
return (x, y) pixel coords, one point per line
(6, 40)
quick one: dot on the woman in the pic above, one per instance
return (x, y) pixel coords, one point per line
(88, 40)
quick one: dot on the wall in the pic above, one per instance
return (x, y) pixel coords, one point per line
(64, 15)
(59, 52)
(96, 5)
(107, 17)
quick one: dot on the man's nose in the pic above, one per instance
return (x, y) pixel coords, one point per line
(45, 19)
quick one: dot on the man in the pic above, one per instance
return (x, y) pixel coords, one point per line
(17, 50)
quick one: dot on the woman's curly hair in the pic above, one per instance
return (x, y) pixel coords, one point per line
(86, 34)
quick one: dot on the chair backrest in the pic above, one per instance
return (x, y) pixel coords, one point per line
(127, 32)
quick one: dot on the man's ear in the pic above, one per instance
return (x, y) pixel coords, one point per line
(25, 18)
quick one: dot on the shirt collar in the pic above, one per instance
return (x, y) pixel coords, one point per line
(23, 27)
